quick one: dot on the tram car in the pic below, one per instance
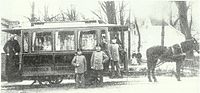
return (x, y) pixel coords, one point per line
(47, 49)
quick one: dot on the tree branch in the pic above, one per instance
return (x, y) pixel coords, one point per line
(96, 14)
(103, 6)
(28, 18)
(175, 22)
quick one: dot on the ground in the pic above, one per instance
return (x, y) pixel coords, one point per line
(127, 85)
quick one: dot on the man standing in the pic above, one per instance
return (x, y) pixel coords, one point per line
(80, 64)
(115, 58)
(12, 49)
(97, 60)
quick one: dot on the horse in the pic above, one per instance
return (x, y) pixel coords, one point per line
(175, 53)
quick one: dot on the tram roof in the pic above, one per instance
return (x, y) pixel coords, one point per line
(17, 30)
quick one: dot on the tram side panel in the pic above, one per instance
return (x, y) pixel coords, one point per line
(47, 65)
(63, 65)
(37, 65)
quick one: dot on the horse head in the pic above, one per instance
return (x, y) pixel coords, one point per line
(195, 45)
(190, 45)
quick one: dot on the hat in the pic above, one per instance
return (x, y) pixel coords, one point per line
(79, 49)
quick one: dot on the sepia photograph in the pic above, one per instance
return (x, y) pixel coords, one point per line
(100, 46)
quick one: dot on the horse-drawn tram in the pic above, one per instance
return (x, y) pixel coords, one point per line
(47, 49)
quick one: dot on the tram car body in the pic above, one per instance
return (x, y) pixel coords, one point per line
(48, 49)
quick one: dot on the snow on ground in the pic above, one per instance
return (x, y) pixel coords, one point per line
(125, 85)
(167, 66)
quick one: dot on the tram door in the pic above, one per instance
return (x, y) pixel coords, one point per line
(88, 39)
(87, 42)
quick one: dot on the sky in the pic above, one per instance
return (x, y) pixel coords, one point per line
(19, 9)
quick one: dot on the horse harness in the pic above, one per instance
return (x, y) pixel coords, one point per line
(173, 53)
(173, 50)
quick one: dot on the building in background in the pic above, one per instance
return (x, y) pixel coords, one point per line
(150, 30)
(6, 23)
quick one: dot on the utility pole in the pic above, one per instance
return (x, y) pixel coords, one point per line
(129, 34)
(163, 30)
(163, 33)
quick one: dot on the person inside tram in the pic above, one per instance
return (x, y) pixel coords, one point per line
(12, 49)
(47, 45)
(38, 44)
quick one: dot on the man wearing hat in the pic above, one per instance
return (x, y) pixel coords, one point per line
(80, 63)
(12, 49)
(97, 60)
(115, 58)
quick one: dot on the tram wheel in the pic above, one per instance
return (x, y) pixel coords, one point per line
(44, 81)
(56, 80)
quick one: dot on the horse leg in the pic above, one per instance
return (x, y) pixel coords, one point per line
(153, 70)
(149, 71)
(178, 67)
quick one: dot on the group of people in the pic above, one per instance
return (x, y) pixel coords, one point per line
(98, 58)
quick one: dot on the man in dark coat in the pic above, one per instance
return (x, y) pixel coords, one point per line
(12, 49)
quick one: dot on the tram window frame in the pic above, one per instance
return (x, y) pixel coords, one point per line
(81, 42)
(56, 39)
(27, 42)
(33, 42)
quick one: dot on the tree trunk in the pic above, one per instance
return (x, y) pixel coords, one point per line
(139, 36)
(109, 6)
(182, 11)
(111, 12)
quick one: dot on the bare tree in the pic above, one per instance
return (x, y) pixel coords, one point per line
(32, 18)
(185, 26)
(72, 14)
(182, 11)
(109, 9)
(139, 36)
(46, 16)
(122, 7)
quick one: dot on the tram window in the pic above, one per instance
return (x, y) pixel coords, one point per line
(88, 39)
(65, 40)
(25, 42)
(42, 41)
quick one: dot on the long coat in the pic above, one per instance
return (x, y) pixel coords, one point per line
(11, 47)
(80, 63)
(97, 60)
(114, 52)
